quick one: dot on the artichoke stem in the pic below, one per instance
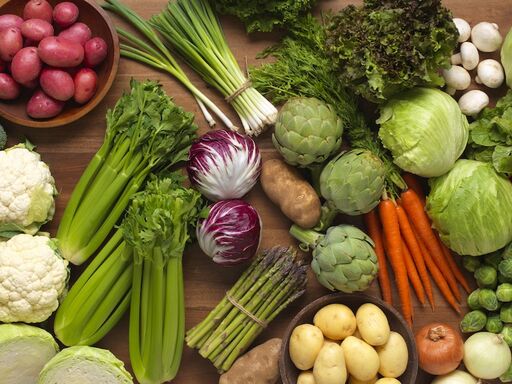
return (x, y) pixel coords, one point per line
(316, 170)
(307, 237)
(329, 213)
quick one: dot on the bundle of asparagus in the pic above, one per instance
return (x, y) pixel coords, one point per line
(275, 279)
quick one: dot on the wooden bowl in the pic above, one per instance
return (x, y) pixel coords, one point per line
(289, 372)
(101, 25)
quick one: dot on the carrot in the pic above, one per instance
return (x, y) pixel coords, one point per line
(419, 219)
(438, 276)
(413, 275)
(414, 248)
(413, 182)
(454, 267)
(373, 225)
(393, 240)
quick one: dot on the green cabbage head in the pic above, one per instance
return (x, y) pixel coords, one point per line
(471, 207)
(425, 131)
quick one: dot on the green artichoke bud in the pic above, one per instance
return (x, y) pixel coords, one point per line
(343, 259)
(307, 132)
(506, 313)
(506, 332)
(353, 182)
(488, 300)
(474, 321)
(504, 292)
(471, 263)
(486, 277)
(505, 268)
(494, 323)
(473, 300)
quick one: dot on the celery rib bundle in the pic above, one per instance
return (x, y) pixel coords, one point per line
(275, 279)
(193, 30)
(146, 132)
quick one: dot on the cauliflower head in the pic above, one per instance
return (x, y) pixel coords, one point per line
(27, 191)
(33, 276)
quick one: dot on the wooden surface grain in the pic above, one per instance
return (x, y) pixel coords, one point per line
(68, 149)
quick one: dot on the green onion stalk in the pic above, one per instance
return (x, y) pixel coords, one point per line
(157, 227)
(276, 278)
(99, 298)
(146, 132)
(154, 53)
(192, 28)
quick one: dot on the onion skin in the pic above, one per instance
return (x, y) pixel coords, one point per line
(440, 348)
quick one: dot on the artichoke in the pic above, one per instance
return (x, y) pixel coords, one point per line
(353, 182)
(343, 259)
(307, 132)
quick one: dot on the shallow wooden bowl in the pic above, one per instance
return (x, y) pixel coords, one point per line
(101, 25)
(289, 372)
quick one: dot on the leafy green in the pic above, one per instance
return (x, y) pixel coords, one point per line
(264, 15)
(490, 136)
(388, 46)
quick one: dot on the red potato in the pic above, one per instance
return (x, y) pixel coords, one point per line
(57, 83)
(65, 14)
(95, 52)
(86, 84)
(7, 21)
(78, 33)
(36, 30)
(38, 9)
(11, 42)
(26, 65)
(42, 106)
(31, 84)
(59, 52)
(9, 89)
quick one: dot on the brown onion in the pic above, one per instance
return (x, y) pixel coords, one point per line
(440, 348)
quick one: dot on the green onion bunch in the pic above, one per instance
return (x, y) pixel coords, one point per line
(191, 27)
(276, 278)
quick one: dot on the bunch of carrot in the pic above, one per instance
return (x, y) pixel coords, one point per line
(403, 236)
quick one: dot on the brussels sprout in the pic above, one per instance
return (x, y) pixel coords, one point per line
(505, 268)
(504, 292)
(488, 300)
(493, 259)
(502, 279)
(471, 263)
(473, 301)
(494, 324)
(486, 277)
(507, 376)
(506, 332)
(474, 321)
(506, 313)
(507, 252)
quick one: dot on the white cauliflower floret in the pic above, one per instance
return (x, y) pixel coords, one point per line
(27, 191)
(33, 277)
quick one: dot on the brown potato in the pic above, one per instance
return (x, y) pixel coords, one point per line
(295, 197)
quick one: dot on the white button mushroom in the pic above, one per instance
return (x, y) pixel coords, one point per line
(486, 37)
(457, 78)
(490, 73)
(456, 59)
(472, 102)
(469, 56)
(463, 28)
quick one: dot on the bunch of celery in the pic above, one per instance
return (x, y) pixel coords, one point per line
(154, 53)
(193, 30)
(157, 227)
(146, 132)
(275, 279)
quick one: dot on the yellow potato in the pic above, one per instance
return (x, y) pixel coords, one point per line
(372, 324)
(306, 377)
(353, 380)
(387, 380)
(330, 365)
(393, 356)
(361, 359)
(336, 321)
(305, 343)
(326, 341)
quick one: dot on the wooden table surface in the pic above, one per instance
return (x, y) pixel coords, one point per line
(68, 150)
